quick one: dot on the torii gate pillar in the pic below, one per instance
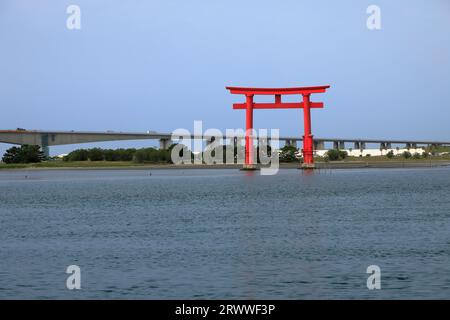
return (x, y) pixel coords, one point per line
(308, 151)
(306, 104)
(248, 128)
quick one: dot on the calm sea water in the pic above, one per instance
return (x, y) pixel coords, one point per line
(225, 234)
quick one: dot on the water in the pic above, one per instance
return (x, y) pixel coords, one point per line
(225, 234)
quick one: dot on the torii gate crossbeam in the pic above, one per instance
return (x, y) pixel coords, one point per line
(306, 105)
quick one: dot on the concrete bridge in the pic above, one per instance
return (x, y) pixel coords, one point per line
(45, 139)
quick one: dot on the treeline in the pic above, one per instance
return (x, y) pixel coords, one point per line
(131, 154)
(149, 155)
(24, 154)
(335, 154)
(408, 155)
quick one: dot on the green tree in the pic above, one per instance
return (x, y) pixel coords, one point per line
(416, 156)
(343, 154)
(332, 155)
(406, 154)
(152, 155)
(126, 154)
(96, 154)
(287, 154)
(11, 155)
(77, 155)
(140, 156)
(24, 154)
(336, 154)
(111, 155)
(390, 154)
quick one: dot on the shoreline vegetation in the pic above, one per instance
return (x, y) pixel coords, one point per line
(31, 157)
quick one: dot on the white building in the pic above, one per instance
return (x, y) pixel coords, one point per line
(374, 152)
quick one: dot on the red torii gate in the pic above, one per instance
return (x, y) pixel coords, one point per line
(249, 105)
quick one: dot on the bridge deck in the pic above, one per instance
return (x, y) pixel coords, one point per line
(75, 137)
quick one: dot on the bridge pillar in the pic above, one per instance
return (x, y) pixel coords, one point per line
(338, 145)
(263, 146)
(287, 142)
(164, 144)
(290, 142)
(239, 150)
(319, 145)
(46, 151)
(294, 143)
(435, 145)
(44, 145)
(357, 145)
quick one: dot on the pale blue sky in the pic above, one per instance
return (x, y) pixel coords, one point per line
(161, 64)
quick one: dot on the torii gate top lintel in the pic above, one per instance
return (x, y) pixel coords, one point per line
(277, 91)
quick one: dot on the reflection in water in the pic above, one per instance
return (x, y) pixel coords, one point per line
(307, 172)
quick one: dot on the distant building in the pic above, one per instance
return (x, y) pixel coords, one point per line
(374, 152)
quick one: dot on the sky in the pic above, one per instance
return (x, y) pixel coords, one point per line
(162, 64)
